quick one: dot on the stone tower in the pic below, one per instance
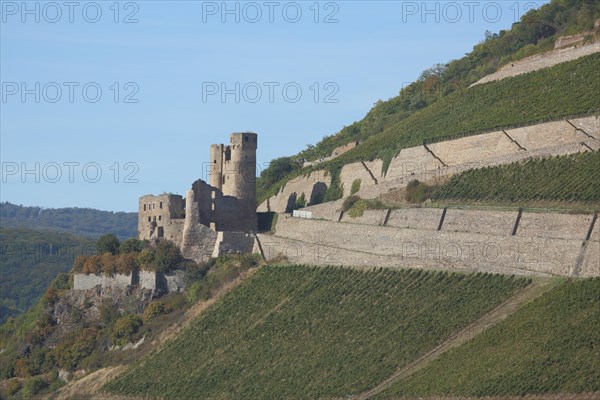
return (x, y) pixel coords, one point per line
(233, 171)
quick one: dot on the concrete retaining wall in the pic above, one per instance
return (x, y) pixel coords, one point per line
(415, 218)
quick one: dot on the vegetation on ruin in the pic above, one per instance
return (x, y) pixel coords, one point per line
(570, 178)
(29, 261)
(115, 257)
(550, 345)
(313, 332)
(76, 221)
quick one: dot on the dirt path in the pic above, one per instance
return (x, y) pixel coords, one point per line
(538, 287)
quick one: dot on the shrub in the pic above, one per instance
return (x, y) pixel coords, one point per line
(153, 310)
(125, 328)
(13, 386)
(358, 209)
(33, 386)
(132, 245)
(355, 186)
(349, 202)
(126, 263)
(301, 201)
(417, 192)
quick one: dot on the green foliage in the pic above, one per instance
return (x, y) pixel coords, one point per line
(355, 186)
(167, 256)
(29, 261)
(349, 202)
(309, 332)
(548, 346)
(132, 245)
(417, 192)
(358, 209)
(220, 271)
(33, 386)
(108, 243)
(301, 201)
(72, 351)
(124, 329)
(571, 178)
(75, 221)
(153, 310)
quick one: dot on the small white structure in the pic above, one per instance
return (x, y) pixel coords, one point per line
(302, 214)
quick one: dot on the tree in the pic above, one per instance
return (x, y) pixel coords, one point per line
(108, 243)
(167, 256)
(131, 245)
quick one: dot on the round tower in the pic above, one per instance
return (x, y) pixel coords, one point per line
(239, 169)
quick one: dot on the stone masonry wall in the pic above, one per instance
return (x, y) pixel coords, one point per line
(551, 244)
(85, 282)
(487, 149)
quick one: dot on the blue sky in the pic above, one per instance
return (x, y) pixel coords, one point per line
(161, 69)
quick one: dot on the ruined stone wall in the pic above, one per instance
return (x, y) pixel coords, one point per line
(147, 280)
(85, 282)
(233, 243)
(541, 61)
(160, 217)
(198, 239)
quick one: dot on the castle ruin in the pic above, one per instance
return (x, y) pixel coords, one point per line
(222, 213)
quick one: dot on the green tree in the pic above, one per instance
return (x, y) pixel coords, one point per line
(108, 243)
(167, 256)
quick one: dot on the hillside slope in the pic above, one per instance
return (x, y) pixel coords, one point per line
(549, 346)
(535, 33)
(77, 221)
(301, 332)
(30, 260)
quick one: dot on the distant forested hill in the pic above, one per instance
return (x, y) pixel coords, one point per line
(77, 221)
(30, 260)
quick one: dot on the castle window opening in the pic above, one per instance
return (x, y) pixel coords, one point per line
(144, 207)
(160, 217)
(149, 219)
(154, 218)
(160, 205)
(161, 231)
(153, 206)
